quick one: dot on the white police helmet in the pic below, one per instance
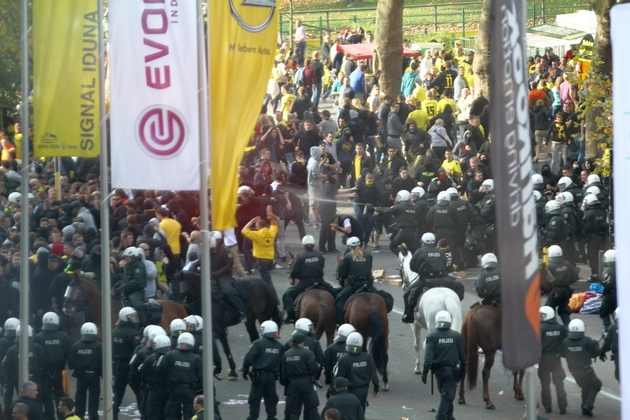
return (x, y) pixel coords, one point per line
(353, 242)
(193, 323)
(564, 183)
(14, 197)
(308, 240)
(594, 189)
(567, 197)
(552, 206)
(487, 185)
(128, 314)
(185, 341)
(161, 342)
(177, 326)
(443, 196)
(50, 321)
(547, 313)
(452, 192)
(156, 332)
(417, 192)
(537, 179)
(577, 326)
(133, 252)
(443, 319)
(344, 331)
(402, 196)
(304, 324)
(89, 328)
(592, 179)
(609, 256)
(555, 251)
(428, 238)
(489, 260)
(269, 328)
(19, 329)
(11, 324)
(354, 342)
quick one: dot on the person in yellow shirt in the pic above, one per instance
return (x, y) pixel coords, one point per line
(430, 104)
(172, 231)
(420, 117)
(419, 94)
(286, 103)
(263, 238)
(447, 99)
(452, 166)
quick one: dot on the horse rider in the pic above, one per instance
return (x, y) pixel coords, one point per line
(125, 338)
(444, 357)
(609, 279)
(262, 366)
(488, 284)
(156, 388)
(181, 369)
(552, 335)
(405, 214)
(221, 265)
(56, 346)
(611, 343)
(85, 361)
(308, 270)
(298, 371)
(358, 367)
(335, 351)
(354, 272)
(305, 327)
(579, 350)
(563, 275)
(134, 278)
(430, 264)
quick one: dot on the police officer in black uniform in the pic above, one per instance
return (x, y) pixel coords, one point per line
(305, 326)
(262, 366)
(357, 366)
(611, 343)
(406, 218)
(85, 361)
(349, 227)
(157, 389)
(440, 219)
(344, 401)
(552, 335)
(7, 340)
(140, 354)
(461, 212)
(488, 284)
(555, 230)
(354, 273)
(307, 272)
(594, 229)
(609, 279)
(10, 363)
(430, 264)
(125, 337)
(56, 347)
(563, 275)
(487, 213)
(579, 350)
(335, 351)
(182, 371)
(298, 370)
(444, 357)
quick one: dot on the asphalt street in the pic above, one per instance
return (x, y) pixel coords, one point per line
(408, 398)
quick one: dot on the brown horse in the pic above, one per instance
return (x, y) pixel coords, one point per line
(83, 296)
(319, 306)
(367, 312)
(482, 329)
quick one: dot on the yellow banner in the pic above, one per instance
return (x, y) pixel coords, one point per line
(66, 78)
(242, 47)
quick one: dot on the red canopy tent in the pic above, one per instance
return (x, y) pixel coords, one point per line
(366, 51)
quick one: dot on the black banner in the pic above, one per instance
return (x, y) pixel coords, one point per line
(515, 204)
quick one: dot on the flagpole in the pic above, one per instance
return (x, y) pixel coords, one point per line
(24, 204)
(204, 213)
(106, 301)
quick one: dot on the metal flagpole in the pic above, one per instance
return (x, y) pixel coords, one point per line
(24, 202)
(204, 213)
(106, 301)
(532, 410)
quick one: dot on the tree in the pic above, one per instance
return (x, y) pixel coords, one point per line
(389, 40)
(9, 53)
(481, 62)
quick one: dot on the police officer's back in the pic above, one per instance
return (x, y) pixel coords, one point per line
(335, 351)
(611, 343)
(563, 275)
(488, 284)
(344, 401)
(552, 336)
(358, 368)
(298, 370)
(10, 362)
(155, 382)
(85, 361)
(555, 230)
(125, 338)
(305, 327)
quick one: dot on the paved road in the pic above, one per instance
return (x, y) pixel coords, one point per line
(408, 397)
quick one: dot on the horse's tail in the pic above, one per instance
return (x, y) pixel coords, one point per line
(471, 344)
(378, 346)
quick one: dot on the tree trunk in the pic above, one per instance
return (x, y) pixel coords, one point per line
(481, 62)
(389, 39)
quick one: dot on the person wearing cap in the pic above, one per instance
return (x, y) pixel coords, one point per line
(307, 272)
(298, 371)
(263, 232)
(354, 273)
(85, 362)
(552, 335)
(579, 350)
(344, 401)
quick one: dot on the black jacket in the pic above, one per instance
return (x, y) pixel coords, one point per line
(444, 348)
(347, 404)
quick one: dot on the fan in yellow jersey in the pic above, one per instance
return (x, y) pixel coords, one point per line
(430, 105)
(263, 238)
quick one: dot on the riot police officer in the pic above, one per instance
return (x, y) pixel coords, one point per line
(487, 213)
(182, 371)
(595, 230)
(440, 219)
(344, 401)
(566, 184)
(354, 272)
(305, 327)
(85, 361)
(422, 205)
(555, 231)
(578, 350)
(406, 219)
(56, 346)
(176, 328)
(134, 277)
(609, 279)
(157, 389)
(611, 343)
(552, 335)
(125, 338)
(7, 340)
(357, 366)
(444, 356)
(10, 362)
(298, 369)
(140, 354)
(307, 272)
(262, 366)
(335, 351)
(461, 213)
(569, 214)
(563, 275)
(430, 264)
(488, 284)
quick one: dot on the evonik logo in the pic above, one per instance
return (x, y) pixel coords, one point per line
(161, 131)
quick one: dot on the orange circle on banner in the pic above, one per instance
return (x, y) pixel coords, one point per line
(253, 15)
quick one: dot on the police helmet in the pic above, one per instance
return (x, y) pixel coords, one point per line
(304, 324)
(354, 342)
(428, 238)
(344, 331)
(555, 251)
(177, 326)
(452, 192)
(547, 313)
(590, 200)
(161, 342)
(308, 240)
(487, 185)
(489, 260)
(10, 326)
(417, 192)
(443, 319)
(89, 329)
(50, 321)
(609, 256)
(402, 196)
(133, 252)
(269, 328)
(193, 323)
(594, 189)
(537, 179)
(552, 207)
(353, 242)
(564, 183)
(185, 341)
(128, 314)
(155, 332)
(19, 329)
(567, 197)
(443, 196)
(592, 179)
(14, 197)
(576, 327)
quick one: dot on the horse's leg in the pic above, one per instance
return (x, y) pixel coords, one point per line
(487, 367)
(250, 325)
(518, 385)
(417, 338)
(228, 354)
(385, 379)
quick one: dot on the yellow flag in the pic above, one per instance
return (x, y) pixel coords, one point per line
(66, 78)
(242, 47)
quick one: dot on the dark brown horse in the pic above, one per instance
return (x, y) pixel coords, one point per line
(367, 312)
(482, 329)
(319, 306)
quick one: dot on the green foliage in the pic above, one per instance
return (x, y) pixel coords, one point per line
(9, 53)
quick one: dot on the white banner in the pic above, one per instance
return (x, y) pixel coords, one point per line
(154, 94)
(620, 34)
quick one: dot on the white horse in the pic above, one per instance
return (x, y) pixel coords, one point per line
(431, 302)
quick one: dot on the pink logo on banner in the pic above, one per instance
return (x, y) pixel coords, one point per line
(161, 131)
